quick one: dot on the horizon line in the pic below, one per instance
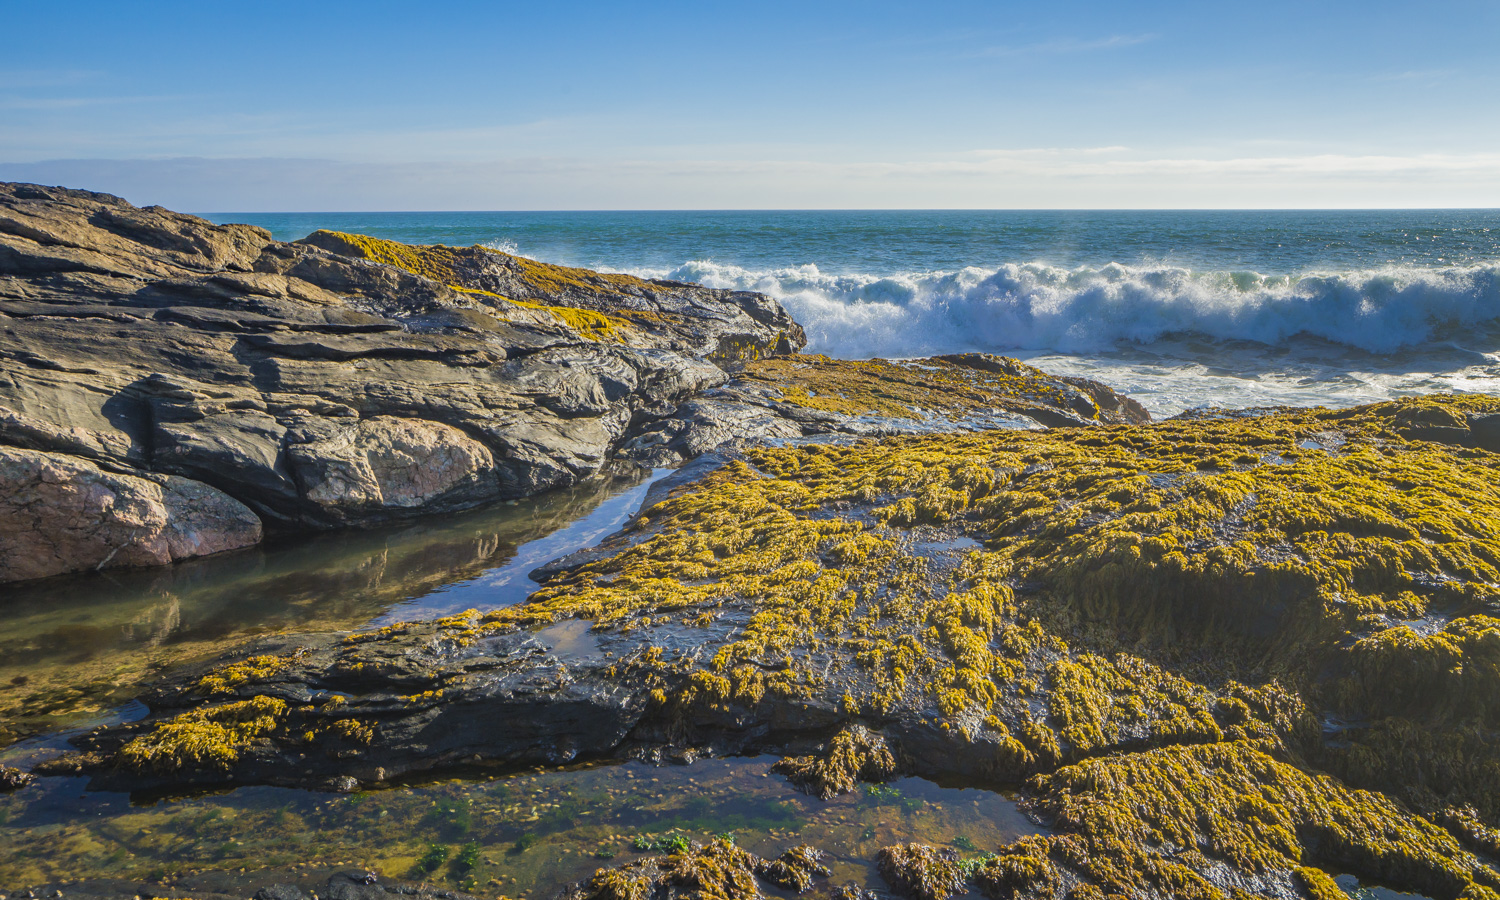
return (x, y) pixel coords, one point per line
(850, 209)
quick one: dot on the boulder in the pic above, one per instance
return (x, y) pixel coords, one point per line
(390, 463)
(64, 514)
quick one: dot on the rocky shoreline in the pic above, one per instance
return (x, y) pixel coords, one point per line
(1149, 626)
(1222, 655)
(171, 388)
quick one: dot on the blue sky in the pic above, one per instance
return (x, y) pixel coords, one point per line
(316, 106)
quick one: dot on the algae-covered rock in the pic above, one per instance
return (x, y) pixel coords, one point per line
(12, 779)
(795, 869)
(775, 398)
(1216, 650)
(920, 872)
(1022, 869)
(717, 870)
(604, 306)
(852, 756)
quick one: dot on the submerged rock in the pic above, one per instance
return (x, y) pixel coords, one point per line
(12, 779)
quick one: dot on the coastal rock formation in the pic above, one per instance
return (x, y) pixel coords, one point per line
(61, 513)
(339, 380)
(1227, 653)
(346, 380)
(777, 398)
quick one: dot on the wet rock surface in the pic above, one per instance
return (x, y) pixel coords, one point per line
(1145, 625)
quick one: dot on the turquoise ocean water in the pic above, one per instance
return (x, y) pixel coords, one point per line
(1180, 309)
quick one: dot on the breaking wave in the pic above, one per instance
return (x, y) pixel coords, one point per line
(1039, 307)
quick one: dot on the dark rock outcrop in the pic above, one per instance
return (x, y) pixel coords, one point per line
(340, 380)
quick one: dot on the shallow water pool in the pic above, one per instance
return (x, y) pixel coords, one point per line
(73, 647)
(523, 835)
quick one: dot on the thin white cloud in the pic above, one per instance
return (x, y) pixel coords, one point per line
(1005, 178)
(1070, 45)
(55, 103)
(1428, 76)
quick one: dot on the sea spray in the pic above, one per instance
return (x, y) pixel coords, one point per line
(1040, 307)
(1178, 308)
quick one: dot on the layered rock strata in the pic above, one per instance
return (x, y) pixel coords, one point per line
(338, 380)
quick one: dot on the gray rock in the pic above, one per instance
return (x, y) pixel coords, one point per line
(1486, 431)
(387, 462)
(316, 386)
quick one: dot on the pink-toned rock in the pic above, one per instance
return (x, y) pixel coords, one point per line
(63, 514)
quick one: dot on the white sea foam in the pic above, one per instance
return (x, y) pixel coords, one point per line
(1038, 307)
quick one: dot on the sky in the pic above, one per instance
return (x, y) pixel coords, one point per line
(320, 106)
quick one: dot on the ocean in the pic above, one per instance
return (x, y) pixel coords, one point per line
(1179, 309)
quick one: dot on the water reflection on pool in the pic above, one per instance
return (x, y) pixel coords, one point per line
(75, 646)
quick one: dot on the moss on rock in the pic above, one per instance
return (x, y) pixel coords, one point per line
(948, 387)
(1223, 648)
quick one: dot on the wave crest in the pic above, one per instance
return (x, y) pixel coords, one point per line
(1034, 306)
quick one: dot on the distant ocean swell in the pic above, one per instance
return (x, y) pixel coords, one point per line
(1039, 307)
